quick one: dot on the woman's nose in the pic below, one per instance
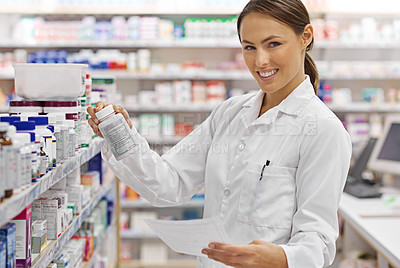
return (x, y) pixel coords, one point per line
(262, 58)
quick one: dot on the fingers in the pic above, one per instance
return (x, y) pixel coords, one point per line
(233, 249)
(100, 105)
(224, 257)
(119, 109)
(95, 127)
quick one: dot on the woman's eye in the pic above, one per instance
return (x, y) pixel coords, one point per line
(249, 48)
(274, 44)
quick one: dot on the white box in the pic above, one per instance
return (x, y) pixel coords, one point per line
(75, 195)
(137, 221)
(50, 81)
(51, 212)
(153, 252)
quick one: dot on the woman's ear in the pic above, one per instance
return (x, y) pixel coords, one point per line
(307, 35)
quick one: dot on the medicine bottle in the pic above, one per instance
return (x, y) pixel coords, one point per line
(72, 137)
(15, 179)
(29, 127)
(8, 157)
(5, 148)
(43, 165)
(41, 123)
(116, 131)
(64, 138)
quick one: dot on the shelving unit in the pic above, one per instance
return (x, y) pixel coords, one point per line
(12, 206)
(54, 247)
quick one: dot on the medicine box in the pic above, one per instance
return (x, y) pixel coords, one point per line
(3, 249)
(8, 235)
(51, 212)
(39, 225)
(23, 224)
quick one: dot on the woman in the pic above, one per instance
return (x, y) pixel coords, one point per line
(277, 186)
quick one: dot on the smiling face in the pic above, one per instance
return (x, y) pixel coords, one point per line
(273, 53)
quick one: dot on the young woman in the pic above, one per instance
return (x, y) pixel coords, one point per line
(277, 186)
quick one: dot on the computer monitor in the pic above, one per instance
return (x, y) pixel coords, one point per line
(386, 154)
(362, 161)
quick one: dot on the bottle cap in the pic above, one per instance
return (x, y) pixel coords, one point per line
(10, 119)
(105, 112)
(51, 128)
(24, 125)
(39, 120)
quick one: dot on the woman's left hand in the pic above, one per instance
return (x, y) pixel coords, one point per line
(257, 254)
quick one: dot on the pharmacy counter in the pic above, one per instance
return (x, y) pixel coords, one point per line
(377, 222)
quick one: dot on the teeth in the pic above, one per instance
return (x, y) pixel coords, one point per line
(266, 74)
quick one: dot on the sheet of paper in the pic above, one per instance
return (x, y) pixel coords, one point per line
(189, 236)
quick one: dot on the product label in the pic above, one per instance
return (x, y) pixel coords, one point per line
(58, 147)
(43, 164)
(118, 136)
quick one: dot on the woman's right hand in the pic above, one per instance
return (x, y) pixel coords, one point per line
(94, 122)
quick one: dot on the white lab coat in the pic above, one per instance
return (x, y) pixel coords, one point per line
(294, 205)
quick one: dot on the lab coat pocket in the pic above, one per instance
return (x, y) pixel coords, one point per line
(268, 200)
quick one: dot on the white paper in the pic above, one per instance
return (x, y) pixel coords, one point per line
(189, 236)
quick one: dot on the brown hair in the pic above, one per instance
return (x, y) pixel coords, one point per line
(292, 13)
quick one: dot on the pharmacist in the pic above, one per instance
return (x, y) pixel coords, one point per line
(273, 164)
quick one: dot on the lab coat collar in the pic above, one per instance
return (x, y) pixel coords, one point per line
(293, 104)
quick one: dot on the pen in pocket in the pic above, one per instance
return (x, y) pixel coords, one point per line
(262, 170)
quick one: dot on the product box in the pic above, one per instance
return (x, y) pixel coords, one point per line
(38, 241)
(60, 194)
(91, 178)
(137, 221)
(153, 252)
(52, 265)
(39, 226)
(75, 195)
(3, 251)
(36, 210)
(23, 224)
(69, 216)
(51, 212)
(72, 206)
(8, 235)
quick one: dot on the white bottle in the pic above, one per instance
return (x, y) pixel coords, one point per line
(25, 157)
(72, 137)
(41, 123)
(57, 135)
(13, 161)
(64, 136)
(116, 131)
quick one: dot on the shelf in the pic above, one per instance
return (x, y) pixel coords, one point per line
(141, 203)
(12, 206)
(184, 43)
(103, 236)
(129, 234)
(53, 248)
(360, 107)
(168, 264)
(191, 108)
(184, 75)
(154, 10)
